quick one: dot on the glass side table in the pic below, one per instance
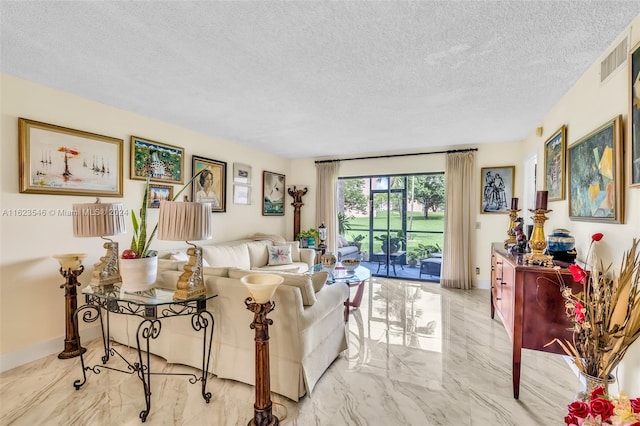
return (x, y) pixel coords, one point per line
(152, 305)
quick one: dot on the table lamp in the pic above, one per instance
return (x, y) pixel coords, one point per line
(101, 220)
(261, 288)
(184, 221)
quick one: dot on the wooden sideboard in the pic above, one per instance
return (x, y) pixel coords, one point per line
(528, 301)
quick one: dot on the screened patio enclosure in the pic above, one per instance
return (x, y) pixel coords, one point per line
(395, 221)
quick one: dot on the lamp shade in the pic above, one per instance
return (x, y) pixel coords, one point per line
(184, 221)
(262, 286)
(98, 219)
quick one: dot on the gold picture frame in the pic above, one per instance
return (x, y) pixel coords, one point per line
(555, 164)
(58, 160)
(595, 175)
(633, 139)
(158, 193)
(160, 162)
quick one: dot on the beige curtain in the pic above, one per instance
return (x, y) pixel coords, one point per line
(327, 178)
(458, 254)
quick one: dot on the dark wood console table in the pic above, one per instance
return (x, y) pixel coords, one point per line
(528, 301)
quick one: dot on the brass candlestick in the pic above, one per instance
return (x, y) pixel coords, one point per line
(513, 215)
(538, 243)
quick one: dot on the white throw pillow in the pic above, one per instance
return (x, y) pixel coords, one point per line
(295, 250)
(342, 241)
(318, 280)
(280, 255)
(179, 255)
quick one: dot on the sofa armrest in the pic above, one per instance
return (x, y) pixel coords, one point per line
(308, 256)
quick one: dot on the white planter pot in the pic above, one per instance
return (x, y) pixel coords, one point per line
(138, 274)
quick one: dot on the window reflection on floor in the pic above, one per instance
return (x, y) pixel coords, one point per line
(399, 329)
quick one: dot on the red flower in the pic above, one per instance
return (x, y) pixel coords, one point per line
(579, 409)
(571, 420)
(579, 313)
(597, 237)
(601, 407)
(635, 405)
(597, 392)
(579, 275)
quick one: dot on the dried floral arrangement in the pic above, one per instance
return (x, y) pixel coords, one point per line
(605, 314)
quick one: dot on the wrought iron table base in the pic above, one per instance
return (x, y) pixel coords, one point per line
(147, 330)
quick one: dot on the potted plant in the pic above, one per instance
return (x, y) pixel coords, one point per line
(425, 250)
(412, 258)
(357, 240)
(391, 244)
(308, 238)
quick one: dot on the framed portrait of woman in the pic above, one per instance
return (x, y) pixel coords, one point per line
(211, 185)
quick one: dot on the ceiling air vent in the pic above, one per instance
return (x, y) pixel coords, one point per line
(613, 60)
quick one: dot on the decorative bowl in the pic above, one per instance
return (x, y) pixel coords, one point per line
(560, 240)
(350, 264)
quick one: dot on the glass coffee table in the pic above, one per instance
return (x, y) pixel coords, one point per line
(352, 279)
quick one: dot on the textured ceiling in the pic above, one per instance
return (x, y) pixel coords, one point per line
(308, 79)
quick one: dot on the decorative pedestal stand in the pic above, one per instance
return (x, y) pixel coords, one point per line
(297, 204)
(72, 346)
(262, 407)
(513, 215)
(538, 243)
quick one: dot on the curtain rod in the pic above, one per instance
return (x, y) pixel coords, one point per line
(398, 155)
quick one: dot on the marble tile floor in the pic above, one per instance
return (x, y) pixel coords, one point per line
(418, 355)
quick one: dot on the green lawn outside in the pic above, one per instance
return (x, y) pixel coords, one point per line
(435, 223)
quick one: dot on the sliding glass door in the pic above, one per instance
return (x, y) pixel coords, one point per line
(396, 222)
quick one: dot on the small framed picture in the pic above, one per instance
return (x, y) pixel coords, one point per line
(496, 188)
(241, 194)
(57, 160)
(273, 186)
(158, 161)
(159, 193)
(554, 164)
(241, 173)
(211, 184)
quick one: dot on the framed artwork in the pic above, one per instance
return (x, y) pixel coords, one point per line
(241, 173)
(211, 185)
(496, 188)
(595, 175)
(633, 139)
(273, 185)
(158, 161)
(61, 161)
(159, 193)
(241, 194)
(555, 164)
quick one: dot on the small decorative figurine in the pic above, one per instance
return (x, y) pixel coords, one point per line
(520, 246)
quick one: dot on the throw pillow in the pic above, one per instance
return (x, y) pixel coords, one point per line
(342, 241)
(295, 250)
(318, 280)
(179, 255)
(280, 255)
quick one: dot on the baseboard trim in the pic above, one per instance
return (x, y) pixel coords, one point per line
(484, 284)
(40, 350)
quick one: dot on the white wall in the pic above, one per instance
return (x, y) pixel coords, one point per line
(31, 301)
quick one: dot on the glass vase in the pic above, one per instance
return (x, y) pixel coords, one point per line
(592, 382)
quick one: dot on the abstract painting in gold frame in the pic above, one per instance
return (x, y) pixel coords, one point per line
(595, 175)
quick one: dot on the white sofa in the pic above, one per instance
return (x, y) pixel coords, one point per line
(308, 331)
